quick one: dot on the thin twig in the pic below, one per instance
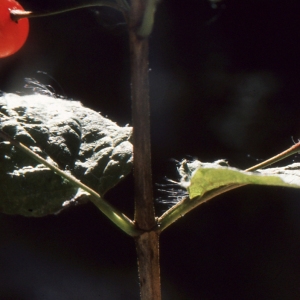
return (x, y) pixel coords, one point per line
(291, 151)
(19, 14)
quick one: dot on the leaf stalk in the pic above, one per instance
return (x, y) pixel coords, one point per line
(117, 217)
(120, 5)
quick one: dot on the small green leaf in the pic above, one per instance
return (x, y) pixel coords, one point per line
(205, 181)
(207, 177)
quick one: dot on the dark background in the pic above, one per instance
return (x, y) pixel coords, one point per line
(224, 84)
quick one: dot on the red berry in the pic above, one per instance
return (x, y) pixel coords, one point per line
(12, 34)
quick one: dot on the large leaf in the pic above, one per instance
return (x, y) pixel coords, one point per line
(199, 178)
(76, 139)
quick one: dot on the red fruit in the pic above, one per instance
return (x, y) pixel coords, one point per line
(12, 34)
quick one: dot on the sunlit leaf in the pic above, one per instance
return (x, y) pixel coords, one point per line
(72, 137)
(200, 178)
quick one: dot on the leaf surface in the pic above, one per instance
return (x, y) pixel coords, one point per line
(208, 176)
(70, 136)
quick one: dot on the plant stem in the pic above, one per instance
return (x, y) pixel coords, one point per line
(147, 247)
(144, 209)
(147, 244)
(19, 14)
(120, 219)
(291, 151)
(148, 19)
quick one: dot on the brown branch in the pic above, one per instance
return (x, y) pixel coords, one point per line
(144, 209)
(147, 244)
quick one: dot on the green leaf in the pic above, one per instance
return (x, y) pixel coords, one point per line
(74, 138)
(205, 181)
(209, 176)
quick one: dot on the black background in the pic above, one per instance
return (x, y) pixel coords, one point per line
(224, 84)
